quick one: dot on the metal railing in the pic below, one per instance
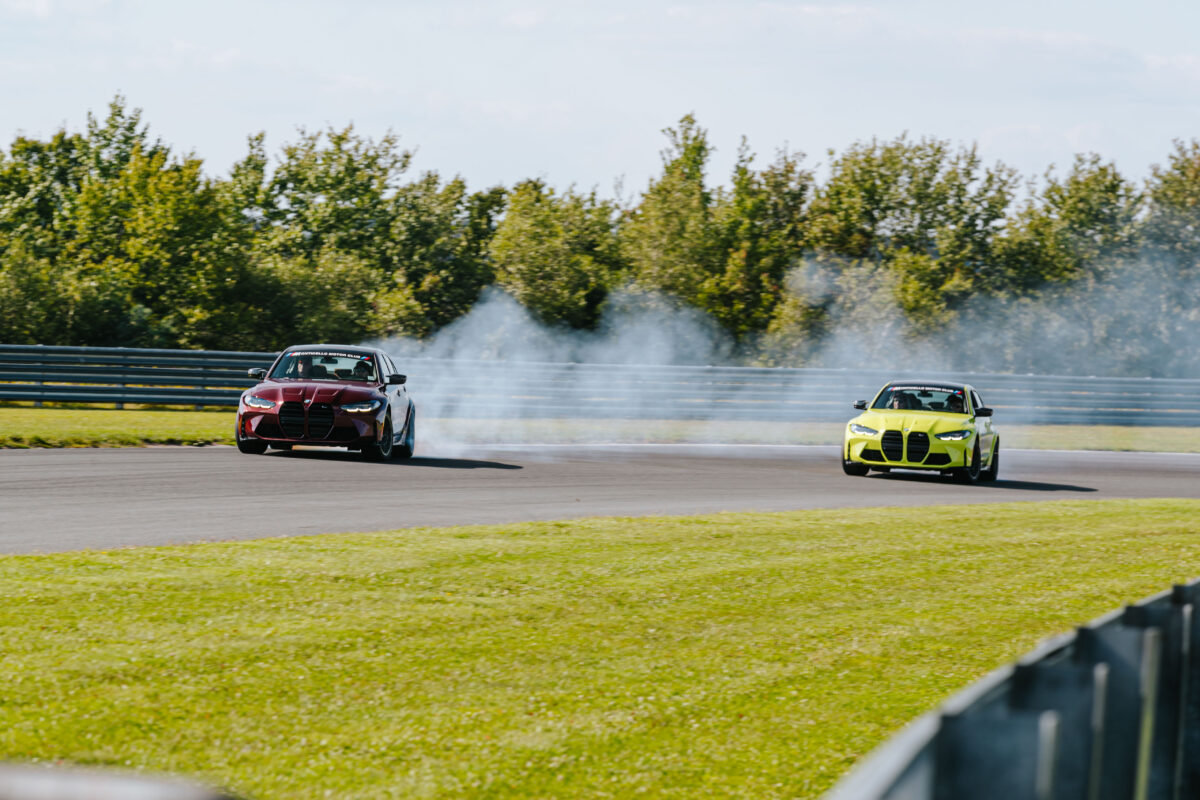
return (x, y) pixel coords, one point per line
(499, 389)
(1111, 710)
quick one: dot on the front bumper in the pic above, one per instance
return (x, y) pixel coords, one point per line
(316, 424)
(913, 450)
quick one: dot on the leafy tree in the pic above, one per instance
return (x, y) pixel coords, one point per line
(920, 198)
(38, 184)
(1172, 227)
(1078, 227)
(671, 240)
(325, 298)
(724, 251)
(762, 222)
(31, 298)
(439, 248)
(557, 256)
(157, 234)
(332, 189)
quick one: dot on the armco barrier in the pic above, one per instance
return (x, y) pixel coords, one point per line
(500, 389)
(1108, 712)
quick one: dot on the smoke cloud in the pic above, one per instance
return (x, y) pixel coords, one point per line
(473, 380)
(477, 379)
(1126, 319)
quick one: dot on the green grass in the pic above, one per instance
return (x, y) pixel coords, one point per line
(747, 655)
(24, 426)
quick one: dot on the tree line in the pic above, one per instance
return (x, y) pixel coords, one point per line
(108, 237)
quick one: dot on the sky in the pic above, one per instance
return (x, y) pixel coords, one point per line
(578, 93)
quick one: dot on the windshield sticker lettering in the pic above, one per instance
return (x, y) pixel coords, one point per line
(329, 353)
(925, 389)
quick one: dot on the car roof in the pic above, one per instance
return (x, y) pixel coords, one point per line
(345, 348)
(919, 383)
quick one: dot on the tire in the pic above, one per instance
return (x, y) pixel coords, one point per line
(993, 468)
(248, 445)
(970, 474)
(854, 468)
(384, 448)
(405, 450)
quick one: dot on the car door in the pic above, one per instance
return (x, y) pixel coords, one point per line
(397, 395)
(983, 426)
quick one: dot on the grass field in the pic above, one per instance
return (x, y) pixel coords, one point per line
(750, 655)
(24, 426)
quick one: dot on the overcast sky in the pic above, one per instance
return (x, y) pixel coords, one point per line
(578, 92)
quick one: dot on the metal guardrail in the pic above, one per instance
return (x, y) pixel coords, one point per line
(1108, 712)
(506, 390)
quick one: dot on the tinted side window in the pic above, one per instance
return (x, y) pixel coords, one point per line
(975, 400)
(388, 366)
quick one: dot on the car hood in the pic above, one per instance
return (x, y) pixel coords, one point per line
(330, 392)
(927, 421)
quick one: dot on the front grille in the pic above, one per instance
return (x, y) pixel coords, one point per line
(872, 455)
(291, 419)
(893, 445)
(938, 459)
(320, 420)
(918, 446)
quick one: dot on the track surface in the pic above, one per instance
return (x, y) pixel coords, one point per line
(54, 500)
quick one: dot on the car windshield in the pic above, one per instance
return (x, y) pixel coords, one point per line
(325, 365)
(920, 397)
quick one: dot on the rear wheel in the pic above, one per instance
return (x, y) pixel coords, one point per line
(993, 467)
(405, 451)
(246, 444)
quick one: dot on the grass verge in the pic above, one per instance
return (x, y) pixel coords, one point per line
(24, 427)
(734, 655)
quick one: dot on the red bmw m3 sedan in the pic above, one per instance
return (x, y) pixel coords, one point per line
(329, 394)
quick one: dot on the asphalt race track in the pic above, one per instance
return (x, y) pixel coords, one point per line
(55, 500)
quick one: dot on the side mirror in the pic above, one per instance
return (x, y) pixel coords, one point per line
(258, 373)
(983, 412)
(393, 379)
(860, 404)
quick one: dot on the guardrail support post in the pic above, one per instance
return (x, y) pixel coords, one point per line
(1076, 693)
(1173, 624)
(1132, 656)
(985, 757)
(1189, 735)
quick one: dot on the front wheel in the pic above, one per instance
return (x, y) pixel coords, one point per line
(971, 473)
(246, 444)
(854, 468)
(383, 449)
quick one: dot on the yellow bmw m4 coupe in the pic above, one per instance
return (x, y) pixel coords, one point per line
(923, 425)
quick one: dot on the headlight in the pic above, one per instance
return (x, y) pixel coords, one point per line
(954, 436)
(255, 401)
(362, 408)
(862, 430)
